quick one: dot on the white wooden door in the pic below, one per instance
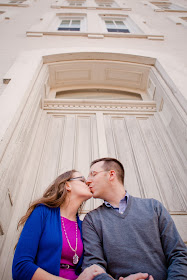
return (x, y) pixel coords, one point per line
(154, 167)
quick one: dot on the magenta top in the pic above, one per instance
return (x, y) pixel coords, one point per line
(67, 253)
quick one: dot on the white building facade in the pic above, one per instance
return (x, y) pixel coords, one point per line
(87, 79)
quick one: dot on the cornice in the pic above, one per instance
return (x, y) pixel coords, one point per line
(101, 105)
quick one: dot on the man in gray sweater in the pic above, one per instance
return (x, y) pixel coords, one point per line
(127, 235)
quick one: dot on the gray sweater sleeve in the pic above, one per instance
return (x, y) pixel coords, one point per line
(93, 251)
(173, 246)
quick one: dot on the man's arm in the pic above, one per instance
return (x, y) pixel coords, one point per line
(174, 248)
(93, 251)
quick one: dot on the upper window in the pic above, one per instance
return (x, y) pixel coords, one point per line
(70, 25)
(168, 6)
(106, 4)
(76, 3)
(116, 26)
(122, 24)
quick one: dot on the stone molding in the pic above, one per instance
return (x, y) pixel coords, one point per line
(146, 107)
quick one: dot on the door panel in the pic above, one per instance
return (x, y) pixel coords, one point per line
(119, 145)
(149, 173)
(49, 157)
(145, 172)
(162, 171)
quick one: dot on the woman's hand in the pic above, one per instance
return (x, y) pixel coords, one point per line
(90, 272)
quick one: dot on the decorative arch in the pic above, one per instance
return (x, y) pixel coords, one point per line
(46, 135)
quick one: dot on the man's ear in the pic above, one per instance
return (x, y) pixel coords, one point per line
(112, 175)
(68, 186)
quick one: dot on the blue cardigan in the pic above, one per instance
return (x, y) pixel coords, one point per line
(40, 244)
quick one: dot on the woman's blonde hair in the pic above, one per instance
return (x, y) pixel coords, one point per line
(53, 197)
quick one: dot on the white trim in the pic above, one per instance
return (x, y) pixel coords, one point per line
(132, 107)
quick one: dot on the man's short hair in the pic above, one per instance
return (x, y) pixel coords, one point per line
(112, 164)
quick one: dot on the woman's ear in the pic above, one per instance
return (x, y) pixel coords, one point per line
(68, 186)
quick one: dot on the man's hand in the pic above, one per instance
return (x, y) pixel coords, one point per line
(90, 272)
(137, 276)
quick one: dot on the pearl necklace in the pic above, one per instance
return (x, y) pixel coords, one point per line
(75, 257)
